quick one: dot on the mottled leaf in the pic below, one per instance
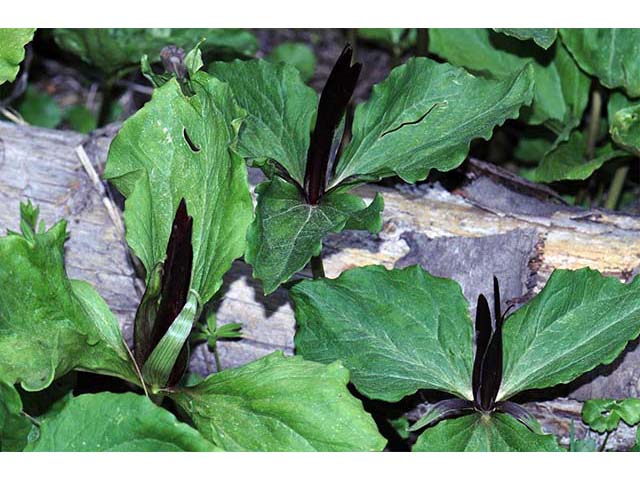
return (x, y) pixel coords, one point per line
(110, 422)
(484, 433)
(184, 147)
(580, 320)
(280, 113)
(424, 115)
(288, 231)
(280, 403)
(392, 329)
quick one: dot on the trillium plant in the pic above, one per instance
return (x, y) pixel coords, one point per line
(372, 333)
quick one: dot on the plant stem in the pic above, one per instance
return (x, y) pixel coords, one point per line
(317, 267)
(594, 122)
(613, 196)
(604, 442)
(217, 358)
(422, 47)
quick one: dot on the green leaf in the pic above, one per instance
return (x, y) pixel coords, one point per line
(12, 42)
(14, 426)
(40, 109)
(184, 147)
(280, 403)
(605, 415)
(49, 324)
(110, 422)
(543, 37)
(482, 433)
(288, 231)
(424, 115)
(561, 89)
(624, 122)
(567, 161)
(113, 49)
(300, 55)
(81, 119)
(398, 39)
(280, 112)
(580, 320)
(392, 329)
(611, 54)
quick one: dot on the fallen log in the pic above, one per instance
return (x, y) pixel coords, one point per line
(487, 226)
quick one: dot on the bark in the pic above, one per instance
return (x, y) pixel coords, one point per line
(491, 224)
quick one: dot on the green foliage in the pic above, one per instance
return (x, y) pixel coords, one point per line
(114, 49)
(567, 161)
(543, 37)
(610, 54)
(423, 116)
(49, 323)
(580, 320)
(300, 55)
(110, 422)
(477, 433)
(561, 89)
(14, 425)
(397, 334)
(40, 109)
(624, 122)
(395, 39)
(288, 231)
(280, 404)
(605, 415)
(184, 147)
(12, 42)
(390, 329)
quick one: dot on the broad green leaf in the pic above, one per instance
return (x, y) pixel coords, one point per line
(611, 54)
(424, 115)
(14, 425)
(49, 324)
(561, 89)
(624, 122)
(12, 42)
(543, 37)
(483, 433)
(567, 161)
(300, 55)
(604, 415)
(580, 320)
(113, 49)
(397, 331)
(280, 403)
(398, 39)
(184, 147)
(111, 422)
(280, 112)
(40, 109)
(288, 231)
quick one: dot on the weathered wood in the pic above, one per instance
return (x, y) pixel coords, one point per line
(483, 228)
